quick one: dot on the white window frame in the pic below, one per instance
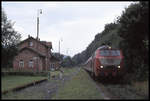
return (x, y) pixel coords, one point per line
(21, 63)
(52, 65)
(34, 58)
(30, 43)
(31, 64)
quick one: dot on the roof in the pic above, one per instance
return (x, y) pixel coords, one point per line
(46, 44)
(49, 44)
(104, 47)
(33, 50)
(54, 58)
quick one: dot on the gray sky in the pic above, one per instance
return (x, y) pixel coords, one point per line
(76, 23)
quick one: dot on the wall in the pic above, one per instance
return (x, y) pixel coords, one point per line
(26, 56)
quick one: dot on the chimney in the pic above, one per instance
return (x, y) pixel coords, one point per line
(29, 36)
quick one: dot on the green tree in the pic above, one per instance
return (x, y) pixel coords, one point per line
(67, 62)
(108, 36)
(134, 29)
(9, 41)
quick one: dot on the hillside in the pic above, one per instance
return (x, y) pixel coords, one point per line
(108, 36)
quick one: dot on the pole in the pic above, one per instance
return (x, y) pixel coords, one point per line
(38, 12)
(59, 47)
(37, 27)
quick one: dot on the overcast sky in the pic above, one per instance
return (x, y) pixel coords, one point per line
(76, 23)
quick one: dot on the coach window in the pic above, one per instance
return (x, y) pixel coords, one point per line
(21, 63)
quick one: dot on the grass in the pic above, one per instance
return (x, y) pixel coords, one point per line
(68, 71)
(23, 96)
(17, 70)
(37, 93)
(54, 73)
(9, 82)
(142, 87)
(7, 69)
(79, 87)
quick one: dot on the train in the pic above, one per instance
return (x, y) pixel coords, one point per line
(105, 62)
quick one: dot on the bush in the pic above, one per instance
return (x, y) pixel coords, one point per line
(25, 73)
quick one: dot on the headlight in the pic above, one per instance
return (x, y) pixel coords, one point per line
(101, 66)
(118, 66)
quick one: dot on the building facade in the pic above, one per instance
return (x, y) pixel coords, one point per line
(55, 63)
(33, 55)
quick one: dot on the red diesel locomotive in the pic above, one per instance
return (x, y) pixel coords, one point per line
(105, 62)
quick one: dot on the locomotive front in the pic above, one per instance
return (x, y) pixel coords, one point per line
(110, 62)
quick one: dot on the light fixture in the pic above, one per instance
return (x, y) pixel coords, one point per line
(118, 66)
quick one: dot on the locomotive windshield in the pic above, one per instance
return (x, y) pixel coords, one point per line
(109, 52)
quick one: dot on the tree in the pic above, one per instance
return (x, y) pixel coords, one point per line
(109, 27)
(67, 62)
(134, 29)
(10, 39)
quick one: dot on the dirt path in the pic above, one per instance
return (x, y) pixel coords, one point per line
(44, 90)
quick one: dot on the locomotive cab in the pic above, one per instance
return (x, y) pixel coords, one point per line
(109, 62)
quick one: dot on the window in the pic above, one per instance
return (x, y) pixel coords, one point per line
(115, 53)
(31, 63)
(110, 53)
(52, 65)
(34, 58)
(104, 52)
(30, 43)
(21, 63)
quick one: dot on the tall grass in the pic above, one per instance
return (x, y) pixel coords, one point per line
(79, 87)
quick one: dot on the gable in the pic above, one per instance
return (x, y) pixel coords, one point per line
(26, 41)
(30, 50)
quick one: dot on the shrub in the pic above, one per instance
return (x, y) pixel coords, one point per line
(27, 73)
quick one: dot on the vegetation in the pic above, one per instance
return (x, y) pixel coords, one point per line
(40, 91)
(25, 73)
(11, 71)
(133, 28)
(79, 87)
(108, 36)
(129, 32)
(66, 61)
(68, 71)
(10, 38)
(23, 96)
(142, 88)
(65, 71)
(9, 82)
(54, 74)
